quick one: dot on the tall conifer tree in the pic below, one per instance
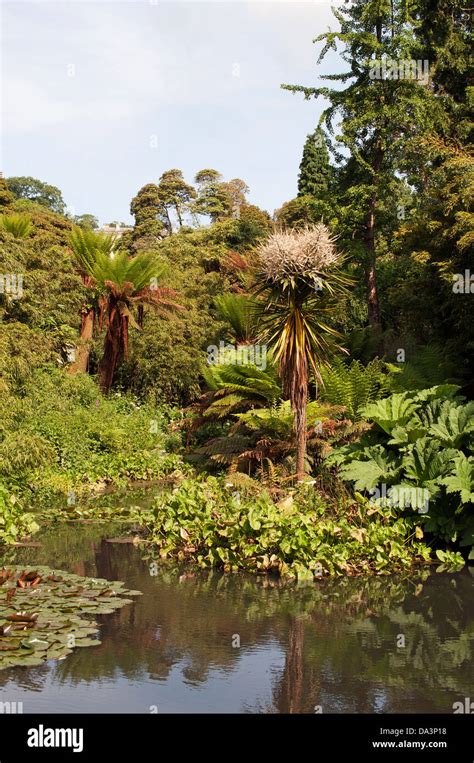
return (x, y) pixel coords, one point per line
(315, 170)
(378, 113)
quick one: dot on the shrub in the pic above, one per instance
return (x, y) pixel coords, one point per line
(62, 435)
(418, 456)
(15, 524)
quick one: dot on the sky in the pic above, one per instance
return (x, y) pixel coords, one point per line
(99, 98)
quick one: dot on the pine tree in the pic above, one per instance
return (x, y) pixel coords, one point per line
(315, 170)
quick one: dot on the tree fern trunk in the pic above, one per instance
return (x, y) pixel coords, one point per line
(112, 349)
(81, 363)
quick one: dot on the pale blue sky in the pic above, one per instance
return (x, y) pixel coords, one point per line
(89, 88)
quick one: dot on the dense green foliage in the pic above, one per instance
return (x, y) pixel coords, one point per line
(357, 296)
(15, 522)
(35, 190)
(60, 437)
(418, 456)
(303, 537)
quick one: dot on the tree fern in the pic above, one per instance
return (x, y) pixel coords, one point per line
(353, 386)
(239, 312)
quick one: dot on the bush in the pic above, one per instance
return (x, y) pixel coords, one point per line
(62, 435)
(15, 524)
(418, 456)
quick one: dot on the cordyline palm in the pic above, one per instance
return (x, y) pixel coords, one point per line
(119, 282)
(298, 281)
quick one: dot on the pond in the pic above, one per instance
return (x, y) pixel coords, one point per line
(208, 642)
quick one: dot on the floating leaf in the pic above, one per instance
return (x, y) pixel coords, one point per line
(52, 608)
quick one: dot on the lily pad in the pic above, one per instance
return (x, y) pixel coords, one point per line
(50, 613)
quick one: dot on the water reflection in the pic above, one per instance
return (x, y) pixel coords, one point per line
(335, 645)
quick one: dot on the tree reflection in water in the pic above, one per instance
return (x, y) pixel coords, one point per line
(332, 644)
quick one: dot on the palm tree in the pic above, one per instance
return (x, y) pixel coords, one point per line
(119, 282)
(298, 279)
(84, 244)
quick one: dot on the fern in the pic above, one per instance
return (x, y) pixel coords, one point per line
(239, 312)
(353, 386)
(252, 384)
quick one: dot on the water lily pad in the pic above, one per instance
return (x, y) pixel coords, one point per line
(51, 613)
(88, 642)
(8, 646)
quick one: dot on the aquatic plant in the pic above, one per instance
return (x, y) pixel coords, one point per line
(45, 614)
(216, 524)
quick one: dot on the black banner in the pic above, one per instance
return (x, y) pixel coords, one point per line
(109, 737)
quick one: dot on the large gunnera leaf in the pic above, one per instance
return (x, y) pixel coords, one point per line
(378, 467)
(462, 480)
(454, 424)
(426, 462)
(390, 412)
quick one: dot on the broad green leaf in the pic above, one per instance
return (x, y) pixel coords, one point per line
(462, 479)
(390, 412)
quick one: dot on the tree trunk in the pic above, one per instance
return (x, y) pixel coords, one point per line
(300, 432)
(298, 394)
(373, 305)
(81, 362)
(294, 375)
(112, 349)
(288, 697)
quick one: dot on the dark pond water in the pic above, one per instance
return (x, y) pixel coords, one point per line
(336, 646)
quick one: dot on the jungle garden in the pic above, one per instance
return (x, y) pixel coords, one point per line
(292, 390)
